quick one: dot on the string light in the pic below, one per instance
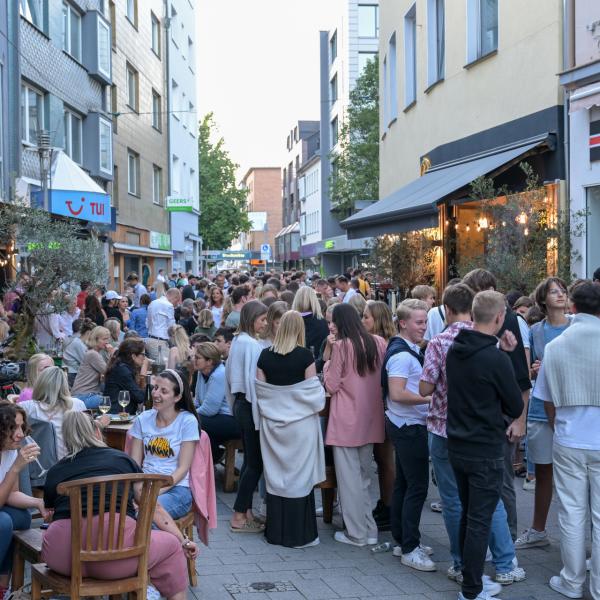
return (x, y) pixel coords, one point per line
(483, 223)
(468, 228)
(522, 218)
(526, 231)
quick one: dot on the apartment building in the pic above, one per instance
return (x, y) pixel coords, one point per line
(142, 240)
(182, 196)
(311, 203)
(344, 51)
(467, 89)
(581, 80)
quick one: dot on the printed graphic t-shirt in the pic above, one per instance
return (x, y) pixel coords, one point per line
(163, 444)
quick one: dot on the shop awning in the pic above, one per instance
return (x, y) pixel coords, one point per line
(141, 250)
(414, 206)
(289, 229)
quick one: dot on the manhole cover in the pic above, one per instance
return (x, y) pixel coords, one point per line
(263, 586)
(259, 587)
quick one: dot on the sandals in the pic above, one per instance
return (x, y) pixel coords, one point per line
(248, 527)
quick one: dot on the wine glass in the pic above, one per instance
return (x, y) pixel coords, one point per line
(105, 405)
(124, 400)
(29, 440)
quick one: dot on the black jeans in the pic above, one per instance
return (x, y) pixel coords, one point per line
(252, 466)
(479, 482)
(509, 496)
(411, 483)
(220, 429)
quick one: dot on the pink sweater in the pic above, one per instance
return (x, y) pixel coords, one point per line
(356, 411)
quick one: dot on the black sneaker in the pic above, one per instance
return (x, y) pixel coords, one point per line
(382, 517)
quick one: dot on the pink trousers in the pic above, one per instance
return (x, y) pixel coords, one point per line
(167, 565)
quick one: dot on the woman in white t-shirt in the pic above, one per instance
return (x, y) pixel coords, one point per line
(51, 401)
(165, 438)
(14, 505)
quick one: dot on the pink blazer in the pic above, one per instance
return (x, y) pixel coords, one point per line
(356, 411)
(202, 486)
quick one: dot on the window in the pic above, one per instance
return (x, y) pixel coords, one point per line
(132, 11)
(103, 48)
(410, 56)
(113, 24)
(156, 184)
(368, 20)
(132, 87)
(386, 93)
(115, 187)
(175, 101)
(592, 224)
(334, 132)
(73, 140)
(363, 59)
(435, 41)
(482, 28)
(156, 110)
(393, 78)
(133, 173)
(105, 140)
(175, 175)
(333, 89)
(333, 47)
(155, 34)
(114, 106)
(32, 114)
(33, 11)
(71, 31)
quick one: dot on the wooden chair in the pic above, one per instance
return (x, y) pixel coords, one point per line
(186, 526)
(109, 547)
(28, 548)
(230, 480)
(328, 488)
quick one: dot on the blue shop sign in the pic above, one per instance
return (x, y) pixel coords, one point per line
(86, 206)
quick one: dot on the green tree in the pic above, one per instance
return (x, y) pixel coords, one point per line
(54, 258)
(356, 170)
(223, 204)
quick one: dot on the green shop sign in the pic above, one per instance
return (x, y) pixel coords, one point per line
(160, 241)
(177, 204)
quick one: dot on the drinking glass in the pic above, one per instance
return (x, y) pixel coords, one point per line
(124, 399)
(29, 440)
(105, 405)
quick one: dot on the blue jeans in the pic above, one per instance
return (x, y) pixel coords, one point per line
(177, 501)
(91, 400)
(11, 519)
(501, 544)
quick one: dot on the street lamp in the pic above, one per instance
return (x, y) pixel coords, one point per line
(45, 156)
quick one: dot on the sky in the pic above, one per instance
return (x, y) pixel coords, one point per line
(258, 71)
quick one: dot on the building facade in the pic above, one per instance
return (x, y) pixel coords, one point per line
(142, 240)
(302, 141)
(264, 207)
(182, 198)
(344, 51)
(309, 191)
(581, 79)
(453, 107)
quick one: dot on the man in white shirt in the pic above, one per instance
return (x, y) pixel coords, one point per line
(161, 315)
(343, 285)
(138, 288)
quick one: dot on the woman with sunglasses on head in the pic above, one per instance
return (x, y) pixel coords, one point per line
(165, 438)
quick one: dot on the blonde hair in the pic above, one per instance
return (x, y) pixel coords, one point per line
(33, 367)
(95, 335)
(114, 327)
(276, 311)
(290, 333)
(383, 323)
(306, 300)
(333, 301)
(209, 351)
(159, 289)
(52, 390)
(227, 309)
(80, 432)
(421, 292)
(406, 308)
(179, 338)
(266, 289)
(487, 305)
(205, 318)
(358, 303)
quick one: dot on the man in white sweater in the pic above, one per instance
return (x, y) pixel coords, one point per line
(569, 383)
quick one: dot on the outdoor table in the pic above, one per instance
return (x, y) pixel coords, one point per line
(115, 435)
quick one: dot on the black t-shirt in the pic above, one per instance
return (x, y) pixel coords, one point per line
(90, 462)
(285, 369)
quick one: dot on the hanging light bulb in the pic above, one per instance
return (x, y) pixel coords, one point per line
(483, 223)
(468, 228)
(526, 231)
(478, 228)
(503, 223)
(447, 222)
(522, 218)
(456, 226)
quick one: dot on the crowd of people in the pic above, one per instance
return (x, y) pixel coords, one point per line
(311, 373)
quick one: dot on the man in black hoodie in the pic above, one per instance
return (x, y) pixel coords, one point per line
(482, 392)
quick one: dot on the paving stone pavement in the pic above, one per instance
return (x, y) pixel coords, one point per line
(245, 567)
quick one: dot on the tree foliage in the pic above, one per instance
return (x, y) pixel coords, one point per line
(54, 256)
(356, 175)
(223, 204)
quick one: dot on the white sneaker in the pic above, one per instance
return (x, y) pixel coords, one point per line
(488, 556)
(436, 507)
(489, 585)
(340, 536)
(558, 585)
(514, 576)
(372, 541)
(482, 596)
(152, 593)
(453, 573)
(531, 538)
(588, 564)
(417, 559)
(397, 551)
(529, 485)
(315, 542)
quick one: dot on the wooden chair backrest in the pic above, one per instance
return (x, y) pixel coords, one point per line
(110, 545)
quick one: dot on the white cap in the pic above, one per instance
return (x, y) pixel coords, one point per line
(112, 295)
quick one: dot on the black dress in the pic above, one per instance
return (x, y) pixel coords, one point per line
(291, 522)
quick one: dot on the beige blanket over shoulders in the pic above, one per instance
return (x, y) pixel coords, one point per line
(290, 436)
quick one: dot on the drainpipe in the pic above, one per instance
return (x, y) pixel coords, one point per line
(168, 90)
(568, 62)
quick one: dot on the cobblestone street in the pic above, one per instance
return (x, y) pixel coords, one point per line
(244, 566)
